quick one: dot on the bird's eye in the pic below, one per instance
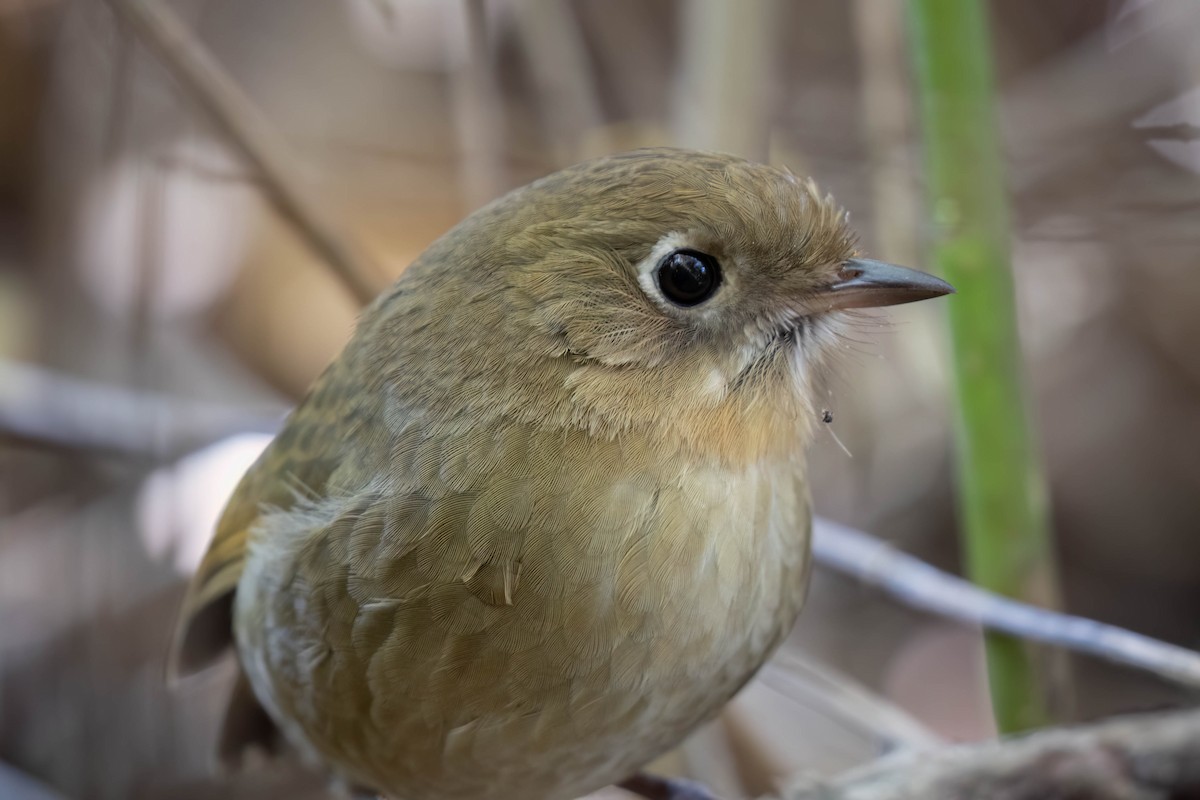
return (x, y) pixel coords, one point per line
(688, 278)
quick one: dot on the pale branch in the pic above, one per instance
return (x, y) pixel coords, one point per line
(917, 584)
(1143, 757)
(236, 116)
(16, 785)
(52, 408)
(49, 407)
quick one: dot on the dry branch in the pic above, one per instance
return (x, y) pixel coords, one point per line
(917, 584)
(235, 115)
(1146, 757)
(50, 408)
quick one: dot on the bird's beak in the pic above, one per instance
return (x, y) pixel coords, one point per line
(863, 283)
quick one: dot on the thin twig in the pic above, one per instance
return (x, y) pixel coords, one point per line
(917, 584)
(1133, 758)
(203, 79)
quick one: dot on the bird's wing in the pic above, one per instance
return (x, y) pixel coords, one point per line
(285, 472)
(297, 465)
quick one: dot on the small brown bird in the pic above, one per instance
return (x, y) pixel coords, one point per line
(547, 512)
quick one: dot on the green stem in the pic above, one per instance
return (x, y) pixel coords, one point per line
(1001, 490)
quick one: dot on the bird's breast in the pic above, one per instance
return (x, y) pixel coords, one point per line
(521, 613)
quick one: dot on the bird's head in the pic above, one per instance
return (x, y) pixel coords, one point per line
(692, 293)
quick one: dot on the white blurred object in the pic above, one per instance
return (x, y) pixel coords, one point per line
(1178, 118)
(178, 505)
(200, 212)
(1181, 114)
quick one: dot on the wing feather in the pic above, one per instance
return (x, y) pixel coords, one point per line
(296, 466)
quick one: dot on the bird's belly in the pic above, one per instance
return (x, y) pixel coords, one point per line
(596, 662)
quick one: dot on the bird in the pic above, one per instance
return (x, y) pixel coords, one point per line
(547, 512)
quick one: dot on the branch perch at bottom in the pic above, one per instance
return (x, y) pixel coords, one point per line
(1142, 757)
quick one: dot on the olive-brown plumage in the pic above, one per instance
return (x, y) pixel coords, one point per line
(547, 511)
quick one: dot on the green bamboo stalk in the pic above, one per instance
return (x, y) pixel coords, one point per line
(1002, 495)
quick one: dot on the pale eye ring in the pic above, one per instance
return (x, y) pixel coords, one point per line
(688, 277)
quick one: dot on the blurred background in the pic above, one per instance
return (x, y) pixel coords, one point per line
(157, 317)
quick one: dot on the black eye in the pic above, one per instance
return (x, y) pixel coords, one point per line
(688, 278)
